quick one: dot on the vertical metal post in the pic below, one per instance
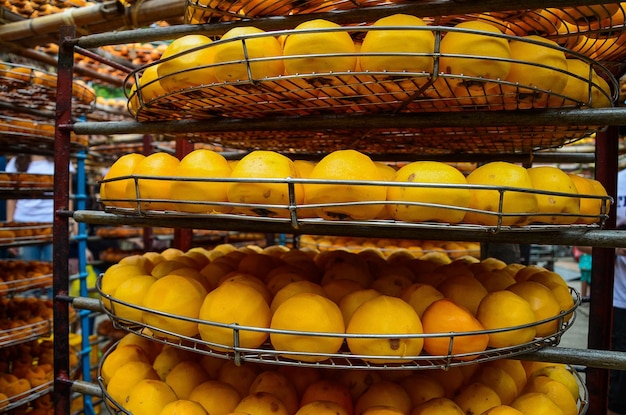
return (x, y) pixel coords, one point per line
(147, 232)
(183, 237)
(86, 319)
(603, 260)
(60, 235)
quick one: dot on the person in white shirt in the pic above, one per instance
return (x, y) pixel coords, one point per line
(617, 382)
(32, 210)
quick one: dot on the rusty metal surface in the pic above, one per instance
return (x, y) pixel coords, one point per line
(60, 283)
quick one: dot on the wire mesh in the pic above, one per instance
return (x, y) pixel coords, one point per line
(357, 91)
(19, 276)
(343, 359)
(35, 89)
(25, 397)
(493, 220)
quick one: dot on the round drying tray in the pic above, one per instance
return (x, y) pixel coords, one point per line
(298, 214)
(401, 141)
(25, 397)
(595, 31)
(35, 89)
(343, 359)
(116, 408)
(25, 333)
(357, 92)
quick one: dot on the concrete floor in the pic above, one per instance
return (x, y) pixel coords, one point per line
(575, 336)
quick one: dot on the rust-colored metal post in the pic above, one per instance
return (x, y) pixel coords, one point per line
(603, 259)
(183, 237)
(147, 233)
(60, 235)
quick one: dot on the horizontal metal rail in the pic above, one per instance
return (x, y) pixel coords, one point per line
(602, 359)
(422, 9)
(557, 117)
(601, 238)
(86, 388)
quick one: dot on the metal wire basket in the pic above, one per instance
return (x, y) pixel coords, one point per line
(200, 11)
(343, 359)
(25, 333)
(595, 31)
(17, 133)
(358, 92)
(116, 408)
(297, 214)
(23, 233)
(25, 397)
(32, 88)
(31, 281)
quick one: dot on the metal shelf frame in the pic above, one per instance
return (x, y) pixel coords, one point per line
(545, 236)
(597, 357)
(547, 117)
(423, 8)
